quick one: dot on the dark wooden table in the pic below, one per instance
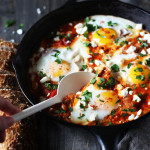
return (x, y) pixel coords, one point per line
(52, 136)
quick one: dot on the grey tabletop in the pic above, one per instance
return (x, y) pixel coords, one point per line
(52, 135)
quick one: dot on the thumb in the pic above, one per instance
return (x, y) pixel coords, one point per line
(5, 122)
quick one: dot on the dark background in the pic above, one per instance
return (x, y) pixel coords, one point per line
(52, 136)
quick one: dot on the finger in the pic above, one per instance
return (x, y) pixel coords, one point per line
(2, 136)
(5, 122)
(7, 107)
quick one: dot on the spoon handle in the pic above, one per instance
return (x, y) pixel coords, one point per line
(35, 108)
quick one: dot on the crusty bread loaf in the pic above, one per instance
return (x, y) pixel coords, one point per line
(22, 135)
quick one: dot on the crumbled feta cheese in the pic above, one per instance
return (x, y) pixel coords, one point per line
(90, 107)
(131, 49)
(93, 44)
(136, 98)
(81, 30)
(131, 117)
(38, 10)
(146, 88)
(78, 93)
(147, 37)
(101, 51)
(139, 112)
(143, 52)
(130, 92)
(85, 70)
(13, 32)
(92, 117)
(136, 117)
(68, 41)
(41, 49)
(142, 33)
(56, 38)
(88, 56)
(12, 40)
(48, 94)
(148, 103)
(97, 62)
(95, 68)
(44, 7)
(44, 79)
(139, 26)
(79, 25)
(19, 31)
(70, 24)
(125, 91)
(90, 69)
(148, 50)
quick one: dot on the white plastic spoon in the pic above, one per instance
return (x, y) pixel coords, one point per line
(72, 83)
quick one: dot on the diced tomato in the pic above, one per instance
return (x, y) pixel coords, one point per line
(53, 93)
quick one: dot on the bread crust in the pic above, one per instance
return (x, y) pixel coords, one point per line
(22, 135)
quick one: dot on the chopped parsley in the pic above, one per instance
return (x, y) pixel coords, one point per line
(129, 26)
(42, 74)
(91, 28)
(138, 69)
(143, 85)
(87, 96)
(101, 100)
(123, 70)
(56, 53)
(110, 123)
(20, 25)
(107, 59)
(135, 86)
(110, 83)
(144, 44)
(86, 43)
(93, 81)
(84, 67)
(82, 106)
(140, 77)
(68, 48)
(93, 53)
(48, 86)
(85, 34)
(139, 62)
(109, 23)
(54, 86)
(70, 109)
(118, 101)
(81, 116)
(113, 112)
(9, 23)
(100, 35)
(60, 77)
(98, 96)
(58, 60)
(140, 95)
(147, 61)
(142, 54)
(116, 41)
(92, 61)
(126, 114)
(123, 42)
(115, 68)
(87, 19)
(129, 65)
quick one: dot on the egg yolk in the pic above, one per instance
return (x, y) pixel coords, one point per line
(57, 70)
(139, 74)
(105, 35)
(108, 98)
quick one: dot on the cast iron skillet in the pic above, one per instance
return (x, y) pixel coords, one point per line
(108, 137)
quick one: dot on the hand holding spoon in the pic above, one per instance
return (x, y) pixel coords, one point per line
(71, 83)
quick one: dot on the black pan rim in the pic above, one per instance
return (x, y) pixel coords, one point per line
(21, 86)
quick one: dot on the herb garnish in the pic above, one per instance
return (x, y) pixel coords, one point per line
(81, 116)
(42, 74)
(10, 23)
(115, 68)
(93, 81)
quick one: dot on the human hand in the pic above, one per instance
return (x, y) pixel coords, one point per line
(6, 121)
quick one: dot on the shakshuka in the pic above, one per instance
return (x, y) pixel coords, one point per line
(116, 50)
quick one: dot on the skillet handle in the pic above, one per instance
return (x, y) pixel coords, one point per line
(108, 138)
